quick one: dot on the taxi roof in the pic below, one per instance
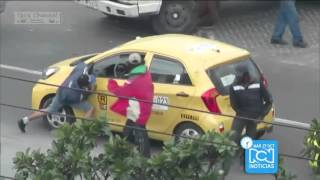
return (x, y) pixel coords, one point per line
(187, 48)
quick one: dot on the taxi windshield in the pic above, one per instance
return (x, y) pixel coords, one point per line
(222, 76)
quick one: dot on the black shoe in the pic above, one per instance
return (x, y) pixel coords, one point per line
(300, 44)
(278, 41)
(22, 126)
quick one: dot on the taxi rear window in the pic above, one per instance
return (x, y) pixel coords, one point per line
(222, 76)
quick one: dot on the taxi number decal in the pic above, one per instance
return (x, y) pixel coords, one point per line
(160, 100)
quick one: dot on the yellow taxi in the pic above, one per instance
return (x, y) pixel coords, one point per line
(187, 71)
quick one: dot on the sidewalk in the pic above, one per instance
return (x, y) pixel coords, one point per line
(253, 30)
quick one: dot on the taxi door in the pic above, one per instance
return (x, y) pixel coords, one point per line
(110, 67)
(172, 86)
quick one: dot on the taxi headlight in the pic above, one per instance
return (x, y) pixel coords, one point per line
(49, 72)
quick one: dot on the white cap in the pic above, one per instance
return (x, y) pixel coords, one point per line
(135, 58)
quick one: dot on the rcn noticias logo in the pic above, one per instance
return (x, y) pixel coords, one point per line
(261, 156)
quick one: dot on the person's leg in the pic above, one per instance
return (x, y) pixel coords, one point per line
(86, 107)
(237, 128)
(90, 113)
(293, 21)
(142, 140)
(37, 114)
(213, 10)
(128, 131)
(280, 26)
(52, 108)
(251, 130)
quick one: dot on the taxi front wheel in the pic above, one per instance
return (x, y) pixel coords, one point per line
(187, 130)
(54, 120)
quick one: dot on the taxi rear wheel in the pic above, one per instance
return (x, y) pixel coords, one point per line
(55, 121)
(188, 130)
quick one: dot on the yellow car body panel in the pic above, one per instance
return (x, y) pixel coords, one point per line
(194, 53)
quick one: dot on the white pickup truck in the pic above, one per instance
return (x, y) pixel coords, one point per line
(167, 16)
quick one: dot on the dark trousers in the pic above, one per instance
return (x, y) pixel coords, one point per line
(239, 124)
(137, 134)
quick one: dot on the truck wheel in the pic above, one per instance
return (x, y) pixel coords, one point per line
(176, 17)
(55, 121)
(187, 130)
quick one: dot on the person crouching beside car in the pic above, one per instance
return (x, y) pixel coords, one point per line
(138, 87)
(73, 92)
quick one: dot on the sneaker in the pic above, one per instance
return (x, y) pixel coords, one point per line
(300, 44)
(22, 126)
(278, 41)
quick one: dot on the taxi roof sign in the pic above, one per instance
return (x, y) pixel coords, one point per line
(199, 48)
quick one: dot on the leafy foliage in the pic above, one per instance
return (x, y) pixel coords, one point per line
(312, 145)
(282, 172)
(72, 157)
(192, 159)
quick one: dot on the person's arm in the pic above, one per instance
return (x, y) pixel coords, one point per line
(90, 88)
(267, 98)
(233, 101)
(86, 92)
(124, 90)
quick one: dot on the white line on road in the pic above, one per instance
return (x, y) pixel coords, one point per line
(294, 63)
(14, 68)
(278, 120)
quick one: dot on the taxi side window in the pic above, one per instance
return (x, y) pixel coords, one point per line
(112, 67)
(168, 71)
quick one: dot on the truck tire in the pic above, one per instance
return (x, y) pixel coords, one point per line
(176, 17)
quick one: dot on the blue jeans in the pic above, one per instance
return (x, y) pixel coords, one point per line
(56, 105)
(288, 15)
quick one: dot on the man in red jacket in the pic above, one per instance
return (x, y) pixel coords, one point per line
(138, 87)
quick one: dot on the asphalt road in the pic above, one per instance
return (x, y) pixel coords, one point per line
(293, 74)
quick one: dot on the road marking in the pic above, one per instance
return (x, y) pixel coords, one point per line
(293, 63)
(19, 69)
(293, 123)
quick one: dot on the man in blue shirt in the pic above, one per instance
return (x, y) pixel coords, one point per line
(71, 93)
(288, 15)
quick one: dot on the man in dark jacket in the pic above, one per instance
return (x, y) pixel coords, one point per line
(250, 99)
(67, 95)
